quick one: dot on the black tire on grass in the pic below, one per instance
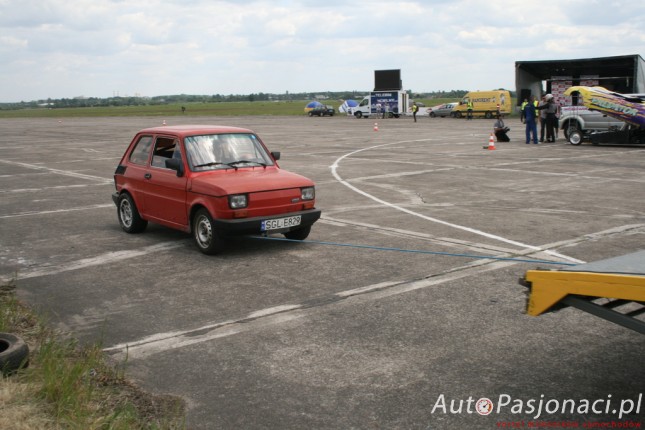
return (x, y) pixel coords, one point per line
(14, 353)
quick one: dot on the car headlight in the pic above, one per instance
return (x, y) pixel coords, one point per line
(308, 193)
(237, 201)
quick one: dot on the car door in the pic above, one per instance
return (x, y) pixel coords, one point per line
(164, 189)
(137, 168)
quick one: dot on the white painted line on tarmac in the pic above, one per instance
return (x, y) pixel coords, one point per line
(57, 211)
(99, 260)
(258, 320)
(334, 168)
(53, 188)
(58, 171)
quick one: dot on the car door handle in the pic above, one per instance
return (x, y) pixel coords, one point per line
(147, 176)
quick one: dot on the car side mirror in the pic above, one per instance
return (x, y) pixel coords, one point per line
(275, 155)
(176, 165)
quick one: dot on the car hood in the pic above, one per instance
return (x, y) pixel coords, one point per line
(246, 180)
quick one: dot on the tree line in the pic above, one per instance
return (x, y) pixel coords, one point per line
(81, 102)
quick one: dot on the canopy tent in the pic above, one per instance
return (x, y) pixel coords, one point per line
(312, 105)
(347, 106)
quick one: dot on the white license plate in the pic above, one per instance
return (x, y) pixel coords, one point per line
(274, 224)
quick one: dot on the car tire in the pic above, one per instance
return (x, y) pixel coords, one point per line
(311, 114)
(569, 129)
(457, 115)
(300, 234)
(575, 136)
(488, 115)
(14, 353)
(358, 114)
(207, 239)
(128, 214)
(432, 115)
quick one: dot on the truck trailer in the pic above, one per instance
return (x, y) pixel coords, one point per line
(382, 104)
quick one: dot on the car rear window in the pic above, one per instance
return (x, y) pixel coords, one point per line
(141, 151)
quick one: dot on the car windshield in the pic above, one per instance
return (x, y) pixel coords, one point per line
(225, 151)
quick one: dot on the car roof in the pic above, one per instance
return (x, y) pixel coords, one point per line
(193, 130)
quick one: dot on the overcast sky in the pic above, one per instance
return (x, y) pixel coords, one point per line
(102, 48)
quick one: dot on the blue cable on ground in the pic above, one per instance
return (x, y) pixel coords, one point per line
(449, 254)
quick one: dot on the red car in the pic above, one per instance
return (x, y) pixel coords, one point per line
(213, 182)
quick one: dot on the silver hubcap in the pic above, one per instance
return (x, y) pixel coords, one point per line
(204, 232)
(125, 211)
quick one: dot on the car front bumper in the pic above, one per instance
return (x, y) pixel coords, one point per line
(254, 225)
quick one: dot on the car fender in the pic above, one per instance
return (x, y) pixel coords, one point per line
(137, 198)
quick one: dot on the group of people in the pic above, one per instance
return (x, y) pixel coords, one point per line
(384, 110)
(546, 112)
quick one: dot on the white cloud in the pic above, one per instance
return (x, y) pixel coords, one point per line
(56, 48)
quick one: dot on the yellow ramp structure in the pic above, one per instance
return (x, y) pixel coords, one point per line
(613, 289)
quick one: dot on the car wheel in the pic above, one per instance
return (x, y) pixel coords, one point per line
(457, 114)
(300, 234)
(129, 218)
(432, 115)
(488, 115)
(311, 113)
(568, 129)
(206, 238)
(14, 353)
(575, 136)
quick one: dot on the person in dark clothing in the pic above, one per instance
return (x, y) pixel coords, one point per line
(550, 108)
(501, 130)
(530, 116)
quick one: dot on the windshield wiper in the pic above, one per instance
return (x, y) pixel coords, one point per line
(212, 163)
(217, 163)
(232, 164)
(235, 163)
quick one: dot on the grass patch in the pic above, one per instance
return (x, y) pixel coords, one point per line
(167, 110)
(281, 108)
(72, 387)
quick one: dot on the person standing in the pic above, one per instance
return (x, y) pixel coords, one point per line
(542, 116)
(557, 119)
(469, 107)
(551, 120)
(524, 103)
(415, 109)
(530, 116)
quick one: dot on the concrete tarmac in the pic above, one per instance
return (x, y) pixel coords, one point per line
(400, 311)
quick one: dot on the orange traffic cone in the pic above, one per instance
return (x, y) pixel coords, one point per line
(491, 143)
(376, 126)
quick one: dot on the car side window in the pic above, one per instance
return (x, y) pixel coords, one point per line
(165, 149)
(141, 151)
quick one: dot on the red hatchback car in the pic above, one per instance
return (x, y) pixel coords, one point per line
(213, 182)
